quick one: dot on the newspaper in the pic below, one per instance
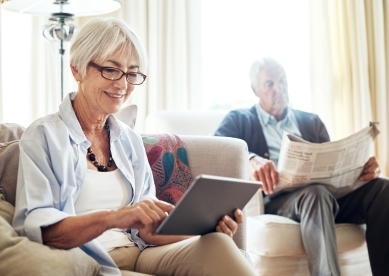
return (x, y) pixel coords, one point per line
(337, 164)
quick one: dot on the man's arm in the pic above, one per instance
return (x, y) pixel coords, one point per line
(229, 127)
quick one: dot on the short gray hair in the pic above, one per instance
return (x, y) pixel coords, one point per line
(100, 37)
(257, 67)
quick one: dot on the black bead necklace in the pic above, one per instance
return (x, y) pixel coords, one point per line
(92, 156)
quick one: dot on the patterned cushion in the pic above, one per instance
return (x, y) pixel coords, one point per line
(168, 160)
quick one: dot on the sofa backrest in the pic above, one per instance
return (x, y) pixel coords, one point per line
(184, 122)
(9, 158)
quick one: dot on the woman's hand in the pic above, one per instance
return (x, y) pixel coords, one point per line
(146, 215)
(229, 226)
(264, 170)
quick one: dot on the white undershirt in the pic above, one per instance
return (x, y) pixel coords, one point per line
(105, 191)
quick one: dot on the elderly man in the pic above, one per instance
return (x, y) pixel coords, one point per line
(313, 206)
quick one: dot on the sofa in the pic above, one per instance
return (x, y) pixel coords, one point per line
(20, 256)
(273, 242)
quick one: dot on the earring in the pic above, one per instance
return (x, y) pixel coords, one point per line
(78, 82)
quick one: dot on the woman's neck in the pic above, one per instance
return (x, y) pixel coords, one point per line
(91, 122)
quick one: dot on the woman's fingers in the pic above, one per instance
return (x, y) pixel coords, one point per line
(145, 214)
(227, 226)
(238, 216)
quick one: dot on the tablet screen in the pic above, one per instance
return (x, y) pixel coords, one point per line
(205, 202)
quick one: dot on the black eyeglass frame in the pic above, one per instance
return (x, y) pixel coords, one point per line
(101, 68)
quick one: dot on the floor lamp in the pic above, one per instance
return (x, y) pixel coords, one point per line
(61, 12)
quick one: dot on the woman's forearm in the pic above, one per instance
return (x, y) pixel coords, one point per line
(76, 230)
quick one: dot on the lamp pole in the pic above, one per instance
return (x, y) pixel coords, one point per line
(62, 32)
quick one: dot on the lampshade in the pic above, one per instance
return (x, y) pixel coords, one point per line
(74, 7)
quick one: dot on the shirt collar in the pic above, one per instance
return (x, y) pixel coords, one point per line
(68, 116)
(265, 118)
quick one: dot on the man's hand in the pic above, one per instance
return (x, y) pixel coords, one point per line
(371, 170)
(264, 170)
(229, 226)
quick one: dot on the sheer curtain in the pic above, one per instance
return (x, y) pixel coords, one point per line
(170, 30)
(30, 69)
(1, 74)
(349, 67)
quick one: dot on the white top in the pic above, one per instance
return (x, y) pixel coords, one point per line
(105, 191)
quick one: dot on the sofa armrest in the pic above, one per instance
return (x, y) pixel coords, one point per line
(255, 206)
(215, 155)
(222, 156)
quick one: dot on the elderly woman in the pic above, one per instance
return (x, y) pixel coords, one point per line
(84, 179)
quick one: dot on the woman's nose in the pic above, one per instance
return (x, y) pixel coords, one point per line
(121, 83)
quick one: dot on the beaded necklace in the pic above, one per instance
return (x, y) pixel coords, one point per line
(92, 156)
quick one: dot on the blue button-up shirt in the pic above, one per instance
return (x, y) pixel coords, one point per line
(52, 169)
(273, 130)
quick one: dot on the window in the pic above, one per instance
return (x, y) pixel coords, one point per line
(236, 32)
(15, 62)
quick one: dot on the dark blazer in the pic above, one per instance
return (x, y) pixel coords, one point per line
(244, 124)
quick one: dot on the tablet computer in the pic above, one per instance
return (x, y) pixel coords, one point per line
(205, 202)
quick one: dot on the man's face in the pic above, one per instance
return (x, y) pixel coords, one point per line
(272, 90)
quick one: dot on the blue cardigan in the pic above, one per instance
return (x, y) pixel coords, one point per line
(244, 124)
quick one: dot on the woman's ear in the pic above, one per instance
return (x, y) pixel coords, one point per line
(75, 73)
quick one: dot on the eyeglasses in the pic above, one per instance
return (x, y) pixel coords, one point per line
(113, 74)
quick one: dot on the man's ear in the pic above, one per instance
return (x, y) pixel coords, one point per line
(75, 73)
(253, 88)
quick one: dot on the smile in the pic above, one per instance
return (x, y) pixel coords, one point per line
(117, 96)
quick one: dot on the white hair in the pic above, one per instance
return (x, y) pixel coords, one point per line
(100, 37)
(257, 67)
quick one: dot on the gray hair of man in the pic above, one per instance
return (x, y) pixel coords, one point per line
(100, 37)
(257, 66)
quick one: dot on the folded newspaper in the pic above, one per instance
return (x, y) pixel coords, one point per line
(338, 164)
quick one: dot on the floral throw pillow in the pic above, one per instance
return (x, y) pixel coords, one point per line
(168, 160)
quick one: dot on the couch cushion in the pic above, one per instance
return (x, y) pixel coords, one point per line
(10, 132)
(7, 211)
(273, 236)
(351, 263)
(9, 158)
(20, 256)
(127, 115)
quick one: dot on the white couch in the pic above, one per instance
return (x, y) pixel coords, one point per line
(273, 242)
